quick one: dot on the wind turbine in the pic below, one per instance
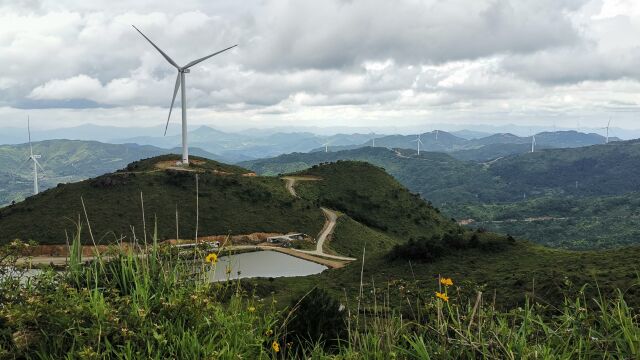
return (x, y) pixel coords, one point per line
(607, 128)
(418, 141)
(326, 147)
(33, 157)
(533, 142)
(180, 84)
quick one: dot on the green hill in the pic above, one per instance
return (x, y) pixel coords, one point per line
(228, 201)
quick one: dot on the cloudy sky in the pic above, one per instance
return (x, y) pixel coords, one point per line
(326, 63)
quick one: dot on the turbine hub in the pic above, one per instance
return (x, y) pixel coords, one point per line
(186, 71)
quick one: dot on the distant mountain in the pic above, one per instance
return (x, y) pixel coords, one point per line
(87, 132)
(470, 134)
(440, 141)
(479, 149)
(68, 161)
(235, 147)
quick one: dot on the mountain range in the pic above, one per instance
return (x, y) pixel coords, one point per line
(549, 196)
(482, 148)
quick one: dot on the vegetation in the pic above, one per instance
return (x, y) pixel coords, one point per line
(146, 307)
(380, 202)
(568, 222)
(228, 202)
(429, 249)
(508, 298)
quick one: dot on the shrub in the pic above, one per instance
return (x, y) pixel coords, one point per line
(316, 318)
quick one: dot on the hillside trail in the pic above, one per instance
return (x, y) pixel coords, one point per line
(331, 218)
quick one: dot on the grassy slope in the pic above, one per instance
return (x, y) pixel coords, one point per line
(373, 197)
(228, 203)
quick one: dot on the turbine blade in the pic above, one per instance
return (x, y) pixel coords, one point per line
(175, 92)
(208, 56)
(157, 48)
(38, 164)
(29, 130)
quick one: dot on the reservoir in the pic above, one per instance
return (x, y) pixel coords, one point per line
(263, 264)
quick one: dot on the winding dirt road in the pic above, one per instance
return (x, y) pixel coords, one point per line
(329, 224)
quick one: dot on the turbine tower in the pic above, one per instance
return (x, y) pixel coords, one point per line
(180, 84)
(326, 147)
(533, 142)
(606, 141)
(33, 158)
(418, 142)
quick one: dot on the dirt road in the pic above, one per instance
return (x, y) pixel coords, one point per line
(329, 225)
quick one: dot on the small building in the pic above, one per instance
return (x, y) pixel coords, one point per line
(284, 239)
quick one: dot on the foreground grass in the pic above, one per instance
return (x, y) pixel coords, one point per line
(155, 307)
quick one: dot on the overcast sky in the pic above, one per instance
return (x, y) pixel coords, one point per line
(323, 63)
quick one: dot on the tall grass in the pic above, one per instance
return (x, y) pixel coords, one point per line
(127, 305)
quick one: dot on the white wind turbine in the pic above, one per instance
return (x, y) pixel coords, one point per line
(180, 84)
(373, 138)
(418, 142)
(33, 157)
(606, 141)
(533, 142)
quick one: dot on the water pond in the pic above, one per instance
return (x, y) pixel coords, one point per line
(263, 264)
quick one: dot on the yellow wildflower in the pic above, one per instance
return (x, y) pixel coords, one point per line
(446, 281)
(252, 309)
(442, 296)
(212, 258)
(269, 332)
(275, 346)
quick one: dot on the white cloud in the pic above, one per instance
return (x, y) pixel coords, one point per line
(405, 61)
(77, 87)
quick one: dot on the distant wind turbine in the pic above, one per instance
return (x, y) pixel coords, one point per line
(533, 142)
(33, 157)
(180, 84)
(606, 141)
(326, 147)
(418, 142)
